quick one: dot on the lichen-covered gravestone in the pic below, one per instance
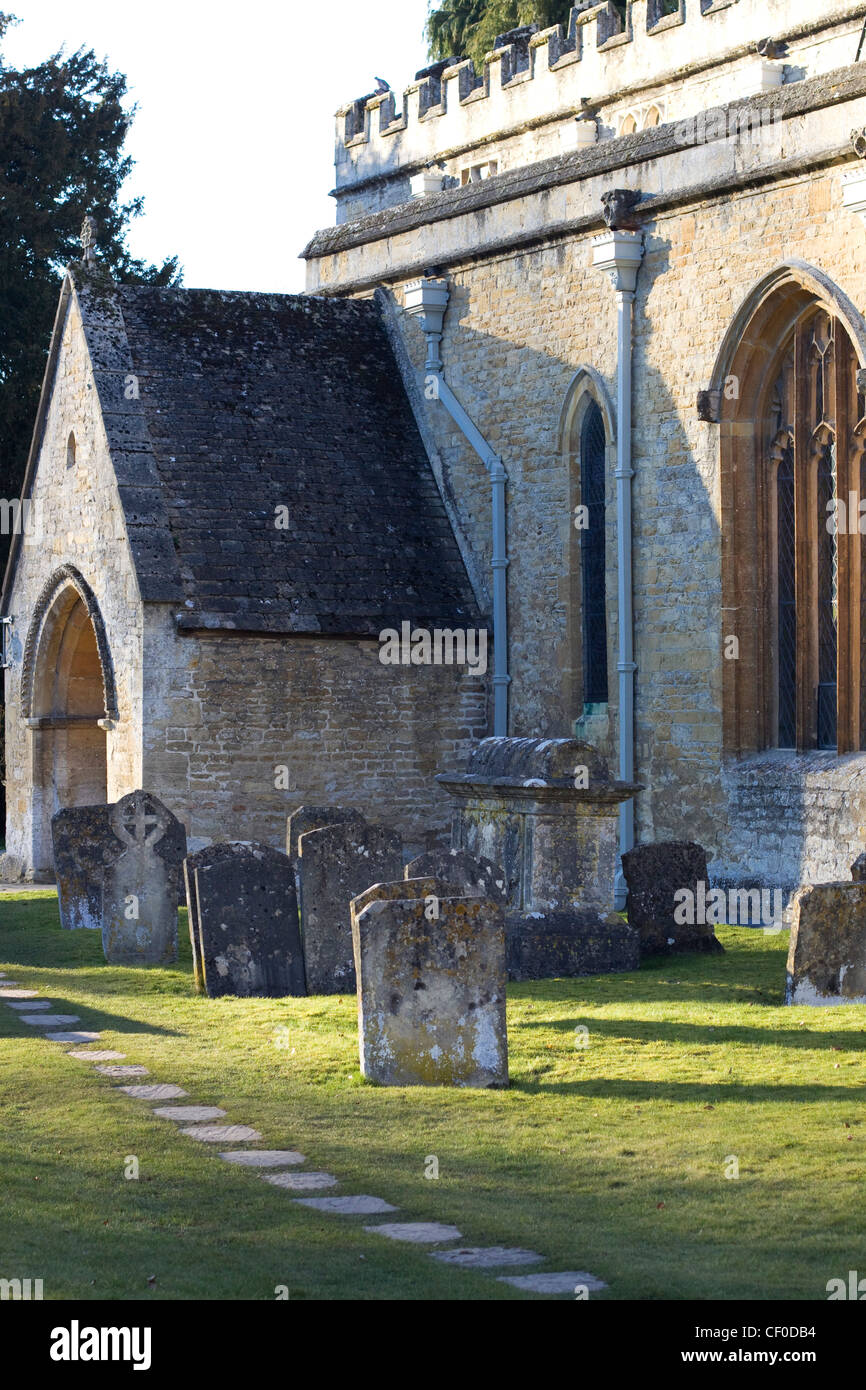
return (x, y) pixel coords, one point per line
(467, 875)
(247, 916)
(335, 864)
(81, 835)
(193, 861)
(141, 886)
(654, 875)
(827, 951)
(431, 992)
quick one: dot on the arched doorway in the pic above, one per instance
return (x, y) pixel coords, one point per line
(68, 703)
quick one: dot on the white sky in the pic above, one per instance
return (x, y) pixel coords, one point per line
(233, 141)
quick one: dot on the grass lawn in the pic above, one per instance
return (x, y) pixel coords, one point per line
(609, 1157)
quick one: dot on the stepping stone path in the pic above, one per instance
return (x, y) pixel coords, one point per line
(222, 1134)
(48, 1020)
(73, 1037)
(300, 1182)
(189, 1114)
(486, 1257)
(569, 1281)
(97, 1056)
(347, 1206)
(263, 1158)
(409, 1232)
(155, 1092)
(117, 1071)
(417, 1232)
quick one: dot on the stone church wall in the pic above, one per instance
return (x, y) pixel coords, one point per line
(75, 519)
(241, 731)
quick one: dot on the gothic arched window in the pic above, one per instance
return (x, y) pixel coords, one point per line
(815, 417)
(792, 421)
(592, 556)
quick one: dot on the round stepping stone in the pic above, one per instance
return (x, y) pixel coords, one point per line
(263, 1158)
(18, 993)
(154, 1092)
(566, 1282)
(120, 1071)
(8, 985)
(301, 1182)
(48, 1020)
(29, 1007)
(73, 1037)
(486, 1257)
(346, 1206)
(417, 1232)
(222, 1134)
(189, 1114)
(97, 1056)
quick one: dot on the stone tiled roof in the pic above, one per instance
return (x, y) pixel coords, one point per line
(253, 402)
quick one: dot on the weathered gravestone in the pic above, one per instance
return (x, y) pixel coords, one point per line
(827, 951)
(246, 914)
(335, 864)
(190, 864)
(315, 818)
(467, 875)
(431, 992)
(659, 878)
(81, 836)
(141, 886)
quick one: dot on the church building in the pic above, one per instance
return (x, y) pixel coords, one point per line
(567, 437)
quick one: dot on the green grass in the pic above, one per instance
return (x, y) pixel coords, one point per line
(609, 1158)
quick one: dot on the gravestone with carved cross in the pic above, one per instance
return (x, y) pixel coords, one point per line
(142, 884)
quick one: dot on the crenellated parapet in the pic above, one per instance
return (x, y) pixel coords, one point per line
(544, 92)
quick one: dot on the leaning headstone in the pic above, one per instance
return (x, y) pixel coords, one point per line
(315, 818)
(337, 863)
(192, 862)
(654, 875)
(81, 836)
(827, 951)
(142, 886)
(858, 869)
(468, 876)
(247, 916)
(431, 992)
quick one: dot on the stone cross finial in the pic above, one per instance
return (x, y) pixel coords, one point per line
(89, 229)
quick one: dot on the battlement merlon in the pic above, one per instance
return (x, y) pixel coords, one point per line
(551, 91)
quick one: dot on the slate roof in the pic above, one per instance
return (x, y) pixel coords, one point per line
(251, 402)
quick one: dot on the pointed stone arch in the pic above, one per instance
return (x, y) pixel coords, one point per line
(61, 590)
(768, 339)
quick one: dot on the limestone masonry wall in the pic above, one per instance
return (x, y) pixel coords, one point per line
(239, 731)
(77, 520)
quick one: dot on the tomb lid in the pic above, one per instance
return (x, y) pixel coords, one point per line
(565, 767)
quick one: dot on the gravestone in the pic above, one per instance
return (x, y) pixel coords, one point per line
(141, 887)
(468, 876)
(431, 992)
(827, 951)
(335, 864)
(654, 873)
(81, 836)
(193, 861)
(247, 918)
